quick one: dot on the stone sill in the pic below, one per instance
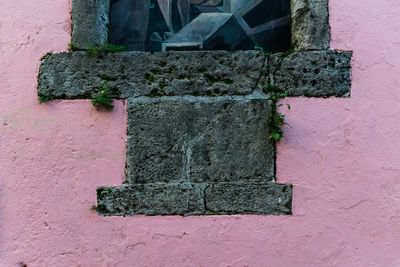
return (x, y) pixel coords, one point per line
(195, 199)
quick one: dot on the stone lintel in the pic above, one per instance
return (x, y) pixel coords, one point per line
(195, 199)
(76, 75)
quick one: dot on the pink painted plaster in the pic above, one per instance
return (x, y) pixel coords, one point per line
(342, 155)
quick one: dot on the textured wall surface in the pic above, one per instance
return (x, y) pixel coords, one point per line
(341, 156)
(76, 75)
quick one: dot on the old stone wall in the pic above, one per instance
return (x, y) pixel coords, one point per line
(209, 151)
(197, 123)
(340, 156)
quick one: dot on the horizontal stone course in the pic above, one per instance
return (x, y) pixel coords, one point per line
(76, 75)
(199, 139)
(195, 199)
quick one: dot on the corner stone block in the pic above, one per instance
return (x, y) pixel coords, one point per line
(310, 24)
(90, 19)
(199, 139)
(312, 74)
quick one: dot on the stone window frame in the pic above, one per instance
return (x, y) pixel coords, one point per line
(310, 28)
(312, 69)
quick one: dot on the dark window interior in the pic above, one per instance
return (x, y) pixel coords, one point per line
(266, 11)
(161, 25)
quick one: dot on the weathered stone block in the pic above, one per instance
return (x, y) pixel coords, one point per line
(198, 139)
(128, 74)
(310, 25)
(314, 73)
(90, 19)
(252, 198)
(195, 199)
(152, 199)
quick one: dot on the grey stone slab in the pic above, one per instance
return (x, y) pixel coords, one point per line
(77, 75)
(248, 198)
(198, 139)
(310, 24)
(195, 199)
(90, 19)
(313, 74)
(151, 199)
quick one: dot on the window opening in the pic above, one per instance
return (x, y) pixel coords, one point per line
(162, 25)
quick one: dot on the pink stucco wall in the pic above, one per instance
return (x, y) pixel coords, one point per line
(342, 155)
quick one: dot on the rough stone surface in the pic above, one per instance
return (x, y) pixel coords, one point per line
(200, 155)
(310, 24)
(254, 198)
(198, 139)
(90, 19)
(76, 75)
(195, 199)
(152, 199)
(314, 74)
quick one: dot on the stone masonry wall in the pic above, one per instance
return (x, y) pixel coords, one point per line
(198, 141)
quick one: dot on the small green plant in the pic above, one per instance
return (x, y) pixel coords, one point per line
(155, 72)
(46, 56)
(228, 81)
(270, 88)
(99, 208)
(107, 77)
(163, 84)
(202, 70)
(288, 53)
(95, 50)
(154, 92)
(43, 99)
(73, 47)
(103, 100)
(276, 119)
(259, 48)
(149, 77)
